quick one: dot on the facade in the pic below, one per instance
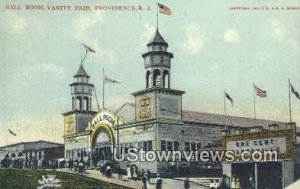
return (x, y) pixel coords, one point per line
(282, 172)
(155, 121)
(44, 151)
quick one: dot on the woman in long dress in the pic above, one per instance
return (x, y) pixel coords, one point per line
(134, 174)
(128, 172)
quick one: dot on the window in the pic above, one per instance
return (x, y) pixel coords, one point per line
(176, 145)
(170, 146)
(163, 146)
(84, 152)
(140, 145)
(187, 146)
(147, 145)
(193, 146)
(127, 146)
(199, 145)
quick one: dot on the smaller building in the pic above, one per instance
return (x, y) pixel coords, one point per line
(260, 169)
(41, 150)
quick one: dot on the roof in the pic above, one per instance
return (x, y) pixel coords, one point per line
(157, 39)
(218, 119)
(127, 111)
(39, 142)
(81, 72)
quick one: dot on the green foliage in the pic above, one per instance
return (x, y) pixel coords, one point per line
(28, 179)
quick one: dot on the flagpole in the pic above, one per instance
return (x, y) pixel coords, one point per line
(290, 107)
(82, 60)
(254, 101)
(6, 144)
(103, 89)
(157, 14)
(96, 98)
(225, 109)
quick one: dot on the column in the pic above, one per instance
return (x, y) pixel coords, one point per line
(255, 175)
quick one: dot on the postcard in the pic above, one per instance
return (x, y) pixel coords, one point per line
(150, 94)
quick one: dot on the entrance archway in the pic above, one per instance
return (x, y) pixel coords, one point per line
(103, 143)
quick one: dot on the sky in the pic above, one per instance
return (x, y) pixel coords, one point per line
(215, 49)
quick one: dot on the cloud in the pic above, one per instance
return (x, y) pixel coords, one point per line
(149, 33)
(231, 36)
(14, 24)
(194, 39)
(50, 68)
(83, 31)
(83, 23)
(145, 36)
(278, 29)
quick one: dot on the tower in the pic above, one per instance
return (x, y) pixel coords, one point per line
(81, 91)
(77, 119)
(157, 62)
(158, 100)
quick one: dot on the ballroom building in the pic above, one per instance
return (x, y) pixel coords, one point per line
(155, 121)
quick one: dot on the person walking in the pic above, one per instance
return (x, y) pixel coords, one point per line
(158, 182)
(144, 181)
(108, 171)
(69, 164)
(81, 167)
(134, 173)
(186, 183)
(120, 173)
(129, 176)
(148, 175)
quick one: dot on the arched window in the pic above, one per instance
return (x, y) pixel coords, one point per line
(166, 78)
(156, 78)
(85, 103)
(73, 103)
(147, 79)
(78, 103)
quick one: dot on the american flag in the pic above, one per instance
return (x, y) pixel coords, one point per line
(294, 91)
(110, 80)
(259, 92)
(11, 132)
(88, 49)
(163, 9)
(229, 98)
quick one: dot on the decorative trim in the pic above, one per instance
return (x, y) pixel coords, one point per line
(107, 129)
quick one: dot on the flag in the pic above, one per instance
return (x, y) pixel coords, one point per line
(163, 9)
(229, 98)
(110, 80)
(88, 49)
(294, 91)
(10, 131)
(259, 92)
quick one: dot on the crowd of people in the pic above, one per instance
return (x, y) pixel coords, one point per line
(78, 165)
(33, 162)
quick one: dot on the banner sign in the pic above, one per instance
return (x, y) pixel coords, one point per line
(103, 117)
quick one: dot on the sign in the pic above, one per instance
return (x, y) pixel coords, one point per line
(69, 124)
(279, 140)
(145, 112)
(103, 117)
(267, 144)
